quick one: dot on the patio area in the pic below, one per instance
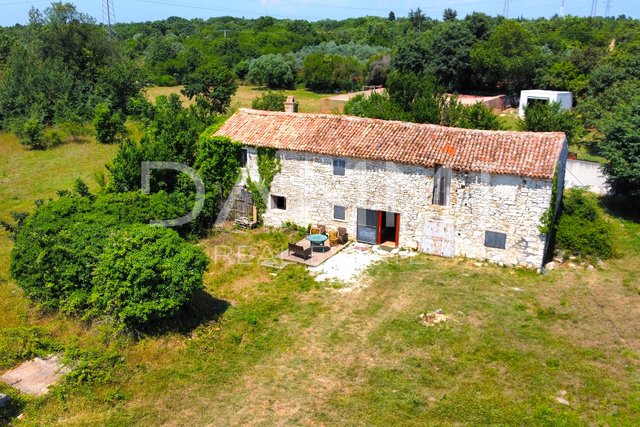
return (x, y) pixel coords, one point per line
(319, 254)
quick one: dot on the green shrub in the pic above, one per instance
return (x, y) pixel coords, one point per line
(146, 274)
(109, 124)
(582, 229)
(269, 101)
(23, 343)
(31, 134)
(58, 247)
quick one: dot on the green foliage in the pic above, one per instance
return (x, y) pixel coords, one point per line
(218, 165)
(410, 56)
(23, 343)
(31, 134)
(548, 220)
(109, 124)
(13, 228)
(144, 275)
(362, 52)
(57, 247)
(328, 73)
(378, 69)
(507, 60)
(171, 135)
(418, 95)
(450, 54)
(274, 71)
(375, 106)
(90, 366)
(124, 169)
(212, 86)
(268, 165)
(621, 147)
(269, 101)
(582, 228)
(478, 116)
(60, 66)
(543, 117)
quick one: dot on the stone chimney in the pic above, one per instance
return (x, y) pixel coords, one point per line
(290, 105)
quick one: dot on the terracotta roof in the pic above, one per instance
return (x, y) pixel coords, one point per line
(532, 154)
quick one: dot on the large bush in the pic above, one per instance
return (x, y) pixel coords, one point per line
(269, 101)
(543, 117)
(328, 73)
(274, 71)
(58, 247)
(582, 229)
(145, 274)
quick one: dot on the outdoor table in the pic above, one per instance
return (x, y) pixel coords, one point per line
(317, 240)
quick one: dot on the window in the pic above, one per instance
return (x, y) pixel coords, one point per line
(339, 212)
(242, 157)
(367, 229)
(441, 186)
(279, 202)
(494, 239)
(338, 167)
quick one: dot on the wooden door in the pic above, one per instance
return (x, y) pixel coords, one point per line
(438, 238)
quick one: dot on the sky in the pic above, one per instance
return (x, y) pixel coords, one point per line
(16, 11)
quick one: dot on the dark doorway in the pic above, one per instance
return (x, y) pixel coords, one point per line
(389, 229)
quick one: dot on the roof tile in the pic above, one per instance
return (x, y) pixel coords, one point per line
(533, 154)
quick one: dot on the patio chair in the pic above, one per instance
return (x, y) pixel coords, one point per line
(322, 228)
(333, 238)
(314, 230)
(343, 237)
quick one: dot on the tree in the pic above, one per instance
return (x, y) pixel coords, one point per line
(378, 69)
(375, 106)
(31, 134)
(479, 24)
(582, 229)
(417, 19)
(544, 117)
(273, 71)
(144, 275)
(418, 95)
(212, 86)
(328, 73)
(451, 54)
(109, 124)
(449, 15)
(411, 56)
(478, 116)
(507, 60)
(392, 16)
(621, 147)
(270, 101)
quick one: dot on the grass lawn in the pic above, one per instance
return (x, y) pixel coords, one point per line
(309, 101)
(275, 347)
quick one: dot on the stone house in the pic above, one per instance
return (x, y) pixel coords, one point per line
(441, 190)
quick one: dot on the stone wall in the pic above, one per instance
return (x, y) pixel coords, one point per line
(478, 202)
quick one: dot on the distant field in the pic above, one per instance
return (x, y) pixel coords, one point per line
(309, 101)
